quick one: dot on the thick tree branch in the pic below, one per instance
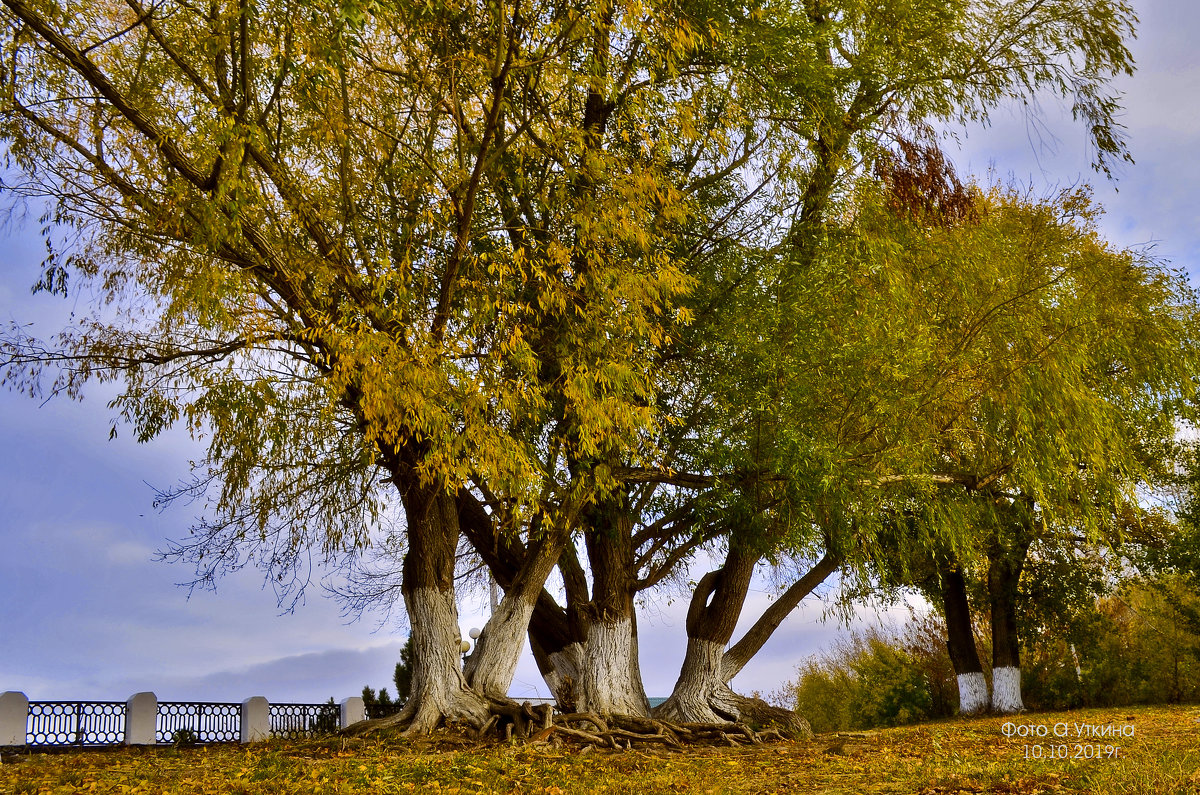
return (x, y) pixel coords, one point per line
(744, 650)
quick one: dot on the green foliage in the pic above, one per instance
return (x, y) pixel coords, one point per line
(469, 235)
(1143, 648)
(1067, 366)
(379, 705)
(1139, 645)
(403, 673)
(891, 687)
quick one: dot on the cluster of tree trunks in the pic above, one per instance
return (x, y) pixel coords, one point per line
(1005, 562)
(588, 650)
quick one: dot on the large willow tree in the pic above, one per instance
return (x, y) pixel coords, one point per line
(374, 254)
(429, 260)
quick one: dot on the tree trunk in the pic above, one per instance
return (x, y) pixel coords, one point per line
(526, 609)
(561, 668)
(493, 663)
(701, 694)
(611, 681)
(611, 684)
(566, 640)
(491, 667)
(960, 642)
(1004, 573)
(439, 690)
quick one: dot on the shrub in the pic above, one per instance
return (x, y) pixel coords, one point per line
(891, 689)
(185, 736)
(875, 678)
(822, 694)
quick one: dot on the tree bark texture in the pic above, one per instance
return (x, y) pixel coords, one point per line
(972, 693)
(1006, 690)
(493, 663)
(701, 694)
(439, 690)
(960, 642)
(1005, 563)
(491, 667)
(562, 670)
(756, 637)
(611, 682)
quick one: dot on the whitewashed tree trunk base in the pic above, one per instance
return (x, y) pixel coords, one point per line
(700, 695)
(609, 684)
(491, 667)
(439, 691)
(1006, 690)
(972, 693)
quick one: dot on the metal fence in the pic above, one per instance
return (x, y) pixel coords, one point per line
(376, 710)
(75, 723)
(296, 721)
(198, 722)
(99, 723)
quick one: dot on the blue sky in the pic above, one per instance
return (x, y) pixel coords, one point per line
(86, 611)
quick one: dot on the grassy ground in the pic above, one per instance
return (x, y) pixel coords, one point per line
(1153, 750)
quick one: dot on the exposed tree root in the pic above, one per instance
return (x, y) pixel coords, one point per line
(623, 732)
(757, 712)
(538, 725)
(364, 727)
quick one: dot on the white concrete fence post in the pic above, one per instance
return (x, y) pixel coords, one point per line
(354, 709)
(14, 718)
(256, 720)
(141, 719)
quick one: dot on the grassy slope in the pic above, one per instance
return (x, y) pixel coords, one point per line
(960, 756)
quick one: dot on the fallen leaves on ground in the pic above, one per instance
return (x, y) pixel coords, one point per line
(942, 758)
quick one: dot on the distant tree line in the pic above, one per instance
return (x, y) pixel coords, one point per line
(1139, 644)
(381, 705)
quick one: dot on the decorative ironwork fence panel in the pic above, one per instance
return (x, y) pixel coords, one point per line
(198, 722)
(75, 723)
(294, 721)
(98, 723)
